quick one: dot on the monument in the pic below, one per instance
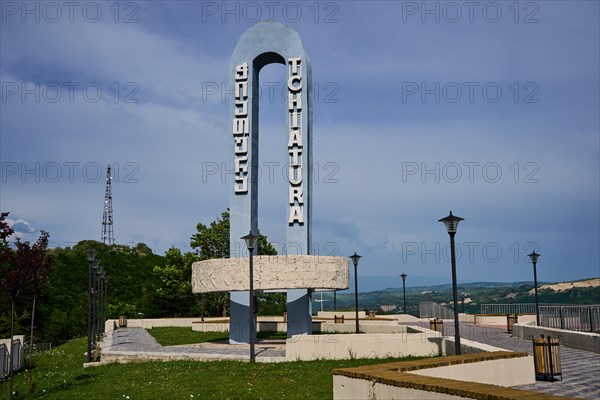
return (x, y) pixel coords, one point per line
(298, 273)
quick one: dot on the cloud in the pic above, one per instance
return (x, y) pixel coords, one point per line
(22, 230)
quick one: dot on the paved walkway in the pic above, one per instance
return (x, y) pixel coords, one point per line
(580, 369)
(128, 344)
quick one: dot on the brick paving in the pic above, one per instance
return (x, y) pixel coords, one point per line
(580, 369)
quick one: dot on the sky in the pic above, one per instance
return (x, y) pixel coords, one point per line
(489, 109)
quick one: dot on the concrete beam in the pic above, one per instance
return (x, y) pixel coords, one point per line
(271, 273)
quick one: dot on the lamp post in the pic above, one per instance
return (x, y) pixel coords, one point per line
(92, 262)
(403, 276)
(104, 308)
(534, 257)
(202, 307)
(100, 327)
(451, 222)
(250, 240)
(95, 286)
(355, 257)
(334, 299)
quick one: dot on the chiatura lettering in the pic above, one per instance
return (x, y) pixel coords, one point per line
(241, 128)
(296, 189)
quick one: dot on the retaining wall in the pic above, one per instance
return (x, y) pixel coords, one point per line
(456, 377)
(376, 345)
(577, 340)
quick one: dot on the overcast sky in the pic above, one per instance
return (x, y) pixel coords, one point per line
(488, 109)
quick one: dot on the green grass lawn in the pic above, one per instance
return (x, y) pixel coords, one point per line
(59, 374)
(171, 336)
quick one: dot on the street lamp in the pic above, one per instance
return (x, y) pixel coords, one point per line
(92, 262)
(355, 257)
(95, 287)
(104, 310)
(534, 257)
(403, 276)
(250, 240)
(334, 299)
(100, 327)
(451, 222)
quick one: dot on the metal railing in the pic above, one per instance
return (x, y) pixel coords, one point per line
(574, 318)
(431, 309)
(512, 308)
(37, 347)
(16, 354)
(4, 361)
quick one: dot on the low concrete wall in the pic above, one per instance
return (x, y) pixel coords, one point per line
(468, 318)
(270, 324)
(378, 345)
(468, 346)
(404, 318)
(149, 323)
(503, 372)
(474, 376)
(346, 388)
(346, 314)
(364, 328)
(576, 340)
(499, 320)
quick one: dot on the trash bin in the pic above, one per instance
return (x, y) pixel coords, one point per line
(511, 319)
(546, 358)
(371, 314)
(122, 322)
(437, 325)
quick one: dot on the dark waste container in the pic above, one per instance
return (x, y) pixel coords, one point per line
(511, 319)
(437, 325)
(546, 358)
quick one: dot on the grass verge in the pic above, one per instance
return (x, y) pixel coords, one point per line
(59, 374)
(172, 336)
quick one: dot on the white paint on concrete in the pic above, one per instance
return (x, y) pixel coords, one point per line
(502, 372)
(347, 346)
(345, 388)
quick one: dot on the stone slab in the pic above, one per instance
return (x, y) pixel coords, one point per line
(271, 273)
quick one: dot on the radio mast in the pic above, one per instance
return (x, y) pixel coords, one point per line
(108, 236)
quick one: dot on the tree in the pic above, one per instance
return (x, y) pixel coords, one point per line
(213, 242)
(13, 280)
(37, 263)
(25, 270)
(174, 293)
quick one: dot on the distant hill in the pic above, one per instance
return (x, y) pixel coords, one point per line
(474, 293)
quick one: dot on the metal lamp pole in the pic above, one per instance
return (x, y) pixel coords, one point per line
(95, 274)
(92, 262)
(451, 223)
(403, 276)
(334, 300)
(99, 328)
(534, 257)
(355, 257)
(250, 240)
(104, 310)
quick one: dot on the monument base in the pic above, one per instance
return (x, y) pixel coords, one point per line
(239, 331)
(299, 309)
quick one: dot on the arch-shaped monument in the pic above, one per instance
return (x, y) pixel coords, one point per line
(262, 44)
